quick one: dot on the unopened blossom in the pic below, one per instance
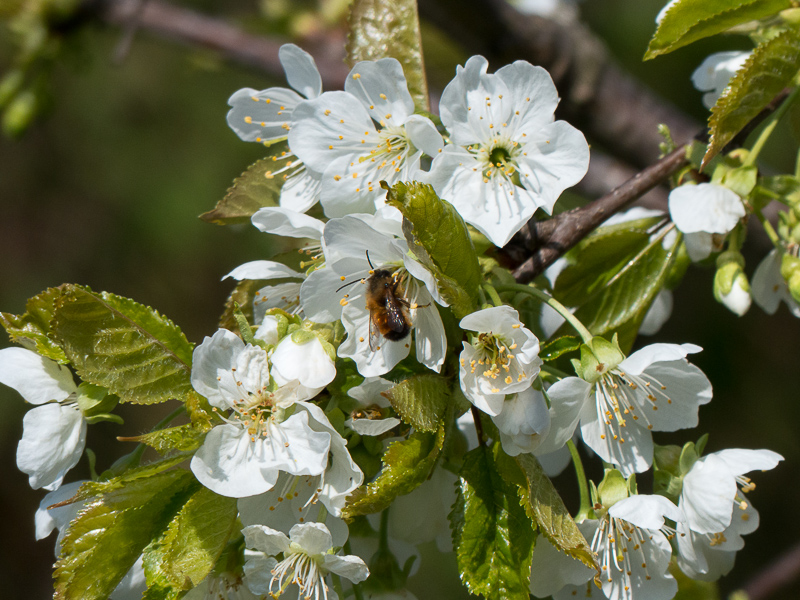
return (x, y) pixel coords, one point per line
(713, 499)
(508, 155)
(53, 433)
(356, 247)
(769, 288)
(714, 73)
(264, 434)
(364, 135)
(266, 116)
(654, 389)
(306, 559)
(705, 213)
(503, 358)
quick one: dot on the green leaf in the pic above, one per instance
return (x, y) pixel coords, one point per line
(257, 187)
(389, 29)
(619, 290)
(557, 347)
(184, 438)
(546, 509)
(770, 68)
(187, 550)
(124, 346)
(421, 400)
(32, 329)
(406, 464)
(109, 534)
(440, 240)
(492, 536)
(692, 20)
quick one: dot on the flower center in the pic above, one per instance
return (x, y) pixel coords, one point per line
(305, 572)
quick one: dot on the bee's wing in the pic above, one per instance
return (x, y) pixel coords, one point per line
(374, 334)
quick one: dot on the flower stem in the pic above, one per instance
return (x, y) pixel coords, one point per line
(772, 123)
(493, 295)
(586, 503)
(769, 229)
(585, 334)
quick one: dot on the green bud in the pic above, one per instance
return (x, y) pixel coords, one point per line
(94, 400)
(731, 287)
(789, 266)
(20, 113)
(791, 15)
(612, 489)
(302, 336)
(794, 285)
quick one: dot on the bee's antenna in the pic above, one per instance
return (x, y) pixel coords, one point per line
(371, 266)
(346, 284)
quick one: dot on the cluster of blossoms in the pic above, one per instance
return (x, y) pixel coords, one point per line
(300, 395)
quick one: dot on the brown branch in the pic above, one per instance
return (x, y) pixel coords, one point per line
(598, 97)
(193, 29)
(552, 238)
(775, 576)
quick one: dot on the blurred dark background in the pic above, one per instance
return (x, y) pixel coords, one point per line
(106, 191)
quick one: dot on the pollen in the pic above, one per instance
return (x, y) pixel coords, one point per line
(327, 111)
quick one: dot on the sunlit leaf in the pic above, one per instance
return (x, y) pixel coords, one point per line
(421, 400)
(32, 329)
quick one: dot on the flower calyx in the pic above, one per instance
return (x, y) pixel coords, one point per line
(598, 357)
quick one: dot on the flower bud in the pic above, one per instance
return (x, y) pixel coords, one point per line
(10, 85)
(20, 113)
(731, 287)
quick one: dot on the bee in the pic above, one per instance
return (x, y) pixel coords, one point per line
(387, 306)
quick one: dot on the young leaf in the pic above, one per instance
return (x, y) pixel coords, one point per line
(692, 20)
(406, 464)
(183, 438)
(552, 349)
(421, 400)
(389, 29)
(109, 534)
(32, 329)
(187, 550)
(259, 186)
(492, 536)
(124, 346)
(439, 238)
(769, 69)
(546, 509)
(628, 287)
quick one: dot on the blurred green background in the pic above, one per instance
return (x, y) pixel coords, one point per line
(106, 192)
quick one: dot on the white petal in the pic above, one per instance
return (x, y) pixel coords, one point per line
(370, 391)
(741, 460)
(307, 363)
(738, 300)
(268, 330)
(424, 135)
(257, 573)
(533, 93)
(567, 398)
(381, 87)
(429, 336)
(47, 519)
(262, 269)
(715, 72)
(285, 296)
(313, 538)
(301, 190)
(769, 287)
(349, 566)
(453, 104)
(301, 70)
(133, 585)
(317, 296)
(632, 453)
(658, 313)
(262, 116)
(707, 495)
(36, 378)
(370, 363)
(372, 426)
(680, 389)
(282, 221)
(705, 207)
(53, 438)
(523, 423)
(646, 511)
(552, 569)
(640, 360)
(265, 539)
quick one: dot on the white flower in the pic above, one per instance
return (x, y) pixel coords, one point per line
(336, 134)
(632, 546)
(222, 586)
(769, 287)
(53, 433)
(356, 248)
(266, 116)
(266, 433)
(658, 313)
(508, 156)
(654, 389)
(523, 422)
(738, 300)
(306, 560)
(714, 73)
(717, 513)
(502, 359)
(369, 395)
(705, 213)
